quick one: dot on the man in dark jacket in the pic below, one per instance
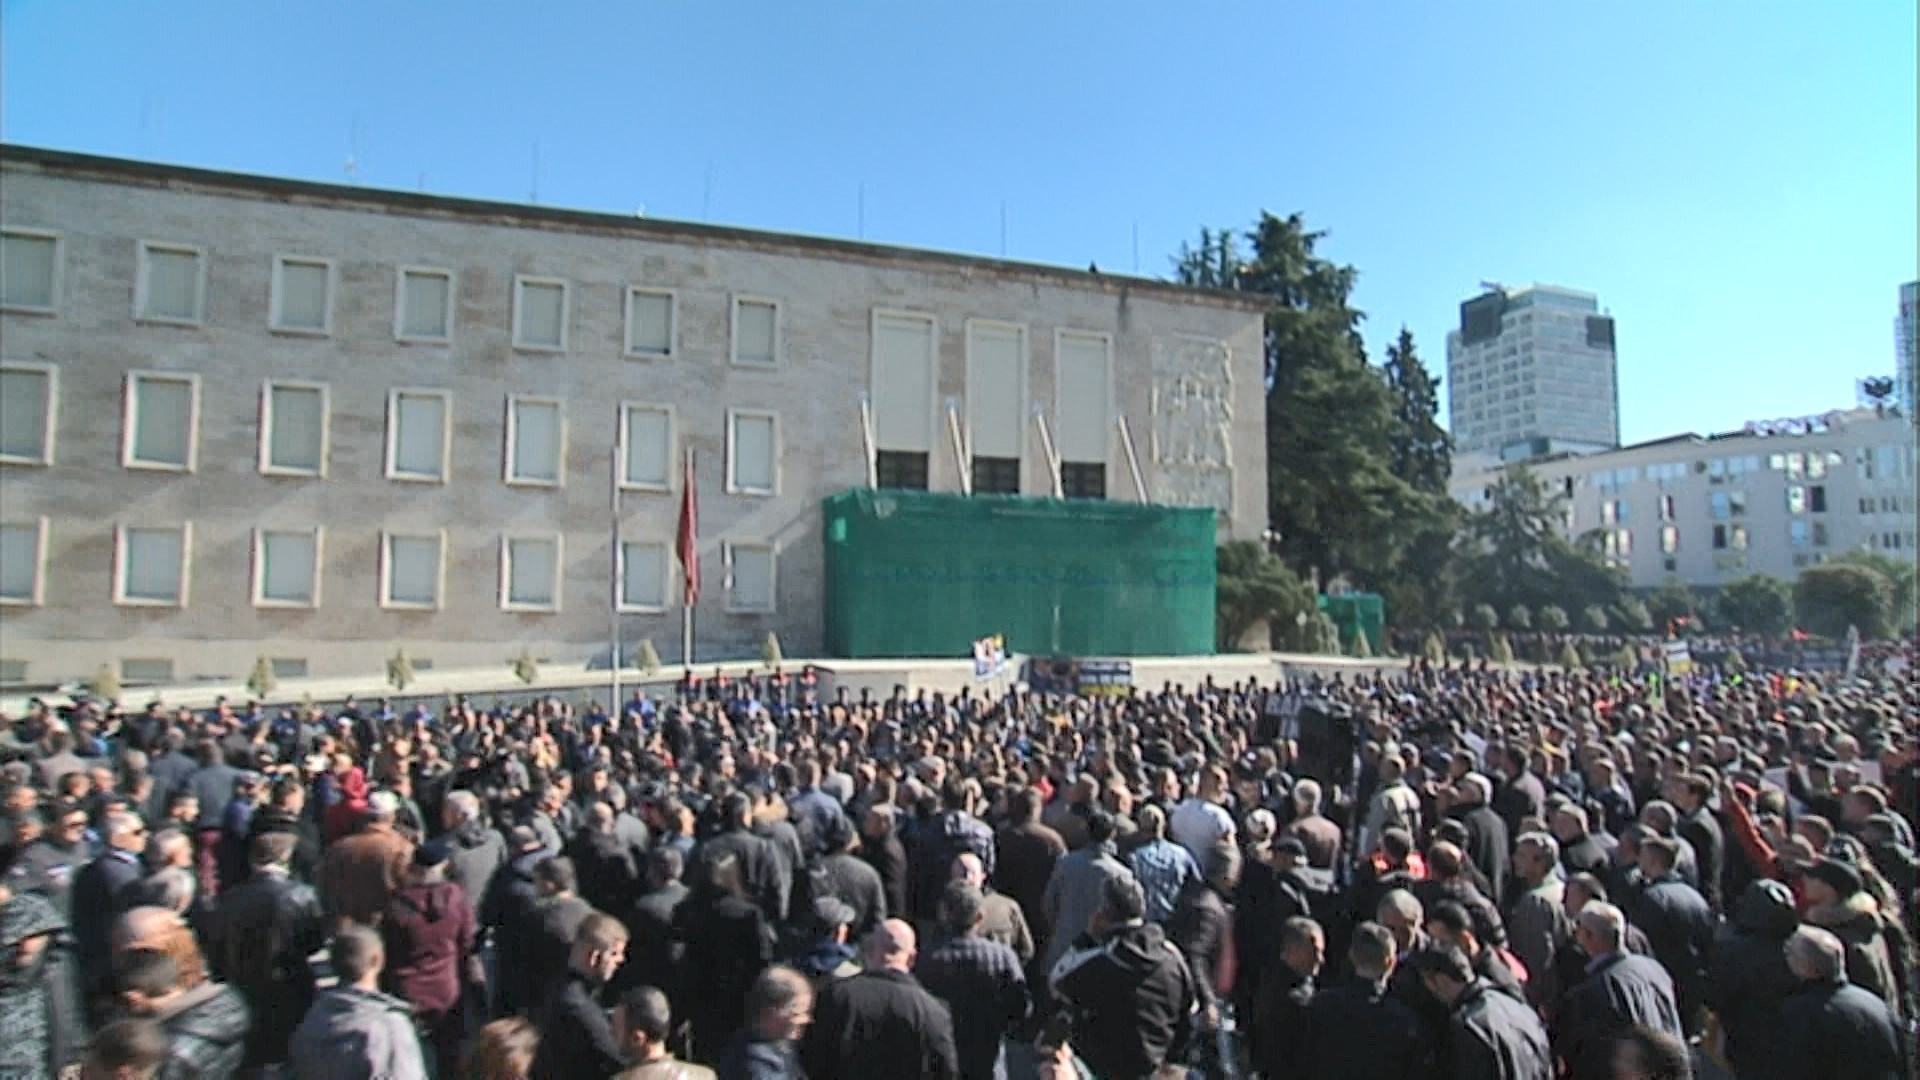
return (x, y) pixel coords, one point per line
(1678, 923)
(653, 954)
(266, 928)
(847, 878)
(1621, 991)
(1582, 851)
(980, 981)
(510, 912)
(1491, 1034)
(779, 1006)
(1487, 836)
(100, 893)
(1126, 989)
(760, 863)
(475, 852)
(557, 919)
(944, 838)
(1450, 924)
(1279, 1024)
(1025, 851)
(609, 869)
(881, 1022)
(1689, 793)
(206, 1026)
(48, 865)
(285, 812)
(1831, 1027)
(1749, 978)
(1359, 1030)
(576, 1035)
(429, 936)
(880, 848)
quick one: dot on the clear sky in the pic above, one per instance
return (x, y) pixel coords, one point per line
(1736, 180)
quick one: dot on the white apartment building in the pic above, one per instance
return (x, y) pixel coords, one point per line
(1906, 349)
(1771, 499)
(1532, 371)
(245, 417)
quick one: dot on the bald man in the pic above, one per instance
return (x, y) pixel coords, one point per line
(881, 1022)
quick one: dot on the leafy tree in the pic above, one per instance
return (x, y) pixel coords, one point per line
(1757, 604)
(1595, 618)
(1519, 618)
(1899, 572)
(400, 670)
(1670, 603)
(1325, 634)
(1254, 586)
(261, 681)
(525, 667)
(649, 657)
(770, 655)
(1484, 618)
(1553, 619)
(1421, 451)
(105, 684)
(1515, 552)
(1833, 597)
(1632, 615)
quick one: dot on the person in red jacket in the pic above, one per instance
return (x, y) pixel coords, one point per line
(430, 937)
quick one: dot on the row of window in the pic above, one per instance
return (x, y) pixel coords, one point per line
(153, 568)
(1617, 544)
(161, 420)
(170, 287)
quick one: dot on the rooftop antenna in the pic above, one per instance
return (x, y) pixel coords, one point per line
(1493, 286)
(352, 167)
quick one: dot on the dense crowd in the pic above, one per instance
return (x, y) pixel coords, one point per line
(1513, 875)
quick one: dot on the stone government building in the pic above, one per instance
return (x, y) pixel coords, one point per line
(244, 416)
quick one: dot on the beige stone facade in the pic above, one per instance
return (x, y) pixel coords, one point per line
(240, 420)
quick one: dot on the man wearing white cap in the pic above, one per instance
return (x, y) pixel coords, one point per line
(362, 871)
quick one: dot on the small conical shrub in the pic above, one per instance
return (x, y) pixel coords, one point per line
(770, 651)
(261, 680)
(649, 658)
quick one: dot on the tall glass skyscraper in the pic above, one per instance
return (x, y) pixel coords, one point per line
(1532, 371)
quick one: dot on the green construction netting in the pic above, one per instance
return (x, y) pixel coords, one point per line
(913, 574)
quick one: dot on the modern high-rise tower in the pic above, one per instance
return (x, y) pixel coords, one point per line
(1532, 371)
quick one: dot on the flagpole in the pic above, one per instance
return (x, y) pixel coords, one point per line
(613, 598)
(688, 572)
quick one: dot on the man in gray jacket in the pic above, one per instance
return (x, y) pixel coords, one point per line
(355, 1030)
(1078, 883)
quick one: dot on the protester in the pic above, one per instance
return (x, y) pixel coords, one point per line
(778, 1008)
(576, 1035)
(1130, 996)
(881, 1022)
(642, 1023)
(269, 925)
(206, 1025)
(981, 982)
(1831, 1027)
(354, 1030)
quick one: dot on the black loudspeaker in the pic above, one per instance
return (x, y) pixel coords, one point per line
(1327, 743)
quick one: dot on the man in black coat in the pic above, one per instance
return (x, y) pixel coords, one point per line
(760, 863)
(1621, 991)
(1679, 925)
(1359, 1030)
(265, 929)
(1689, 793)
(1831, 1027)
(1491, 1034)
(1582, 851)
(848, 878)
(1488, 841)
(576, 1036)
(880, 848)
(1749, 978)
(1129, 996)
(609, 870)
(945, 837)
(881, 1022)
(510, 911)
(981, 982)
(100, 892)
(653, 953)
(1279, 1027)
(557, 918)
(475, 851)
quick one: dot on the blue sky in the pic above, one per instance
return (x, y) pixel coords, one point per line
(1736, 180)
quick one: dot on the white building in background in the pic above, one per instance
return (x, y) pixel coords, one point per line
(1532, 371)
(1773, 498)
(1906, 334)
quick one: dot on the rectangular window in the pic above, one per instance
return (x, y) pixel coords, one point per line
(23, 560)
(1796, 465)
(152, 566)
(162, 418)
(30, 271)
(540, 314)
(753, 452)
(1083, 397)
(418, 435)
(647, 446)
(286, 568)
(1816, 466)
(1669, 539)
(172, 284)
(901, 470)
(1083, 480)
(996, 476)
(1817, 498)
(146, 672)
(1796, 499)
(412, 569)
(293, 429)
(423, 305)
(901, 381)
(286, 667)
(1737, 503)
(27, 395)
(1798, 534)
(302, 295)
(650, 329)
(530, 573)
(1666, 508)
(1819, 534)
(996, 395)
(1738, 538)
(756, 331)
(536, 441)
(643, 575)
(750, 577)
(1719, 538)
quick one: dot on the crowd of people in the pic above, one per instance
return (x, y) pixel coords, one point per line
(1493, 875)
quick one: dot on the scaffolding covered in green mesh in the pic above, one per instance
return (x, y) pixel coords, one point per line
(1358, 613)
(912, 574)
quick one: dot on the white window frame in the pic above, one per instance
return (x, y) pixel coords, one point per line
(400, 304)
(673, 324)
(520, 283)
(733, 332)
(773, 576)
(59, 269)
(513, 434)
(120, 597)
(37, 595)
(733, 487)
(267, 467)
(280, 263)
(1060, 334)
(627, 482)
(260, 597)
(387, 537)
(1026, 368)
(393, 433)
(666, 579)
(507, 603)
(172, 670)
(140, 283)
(130, 420)
(52, 372)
